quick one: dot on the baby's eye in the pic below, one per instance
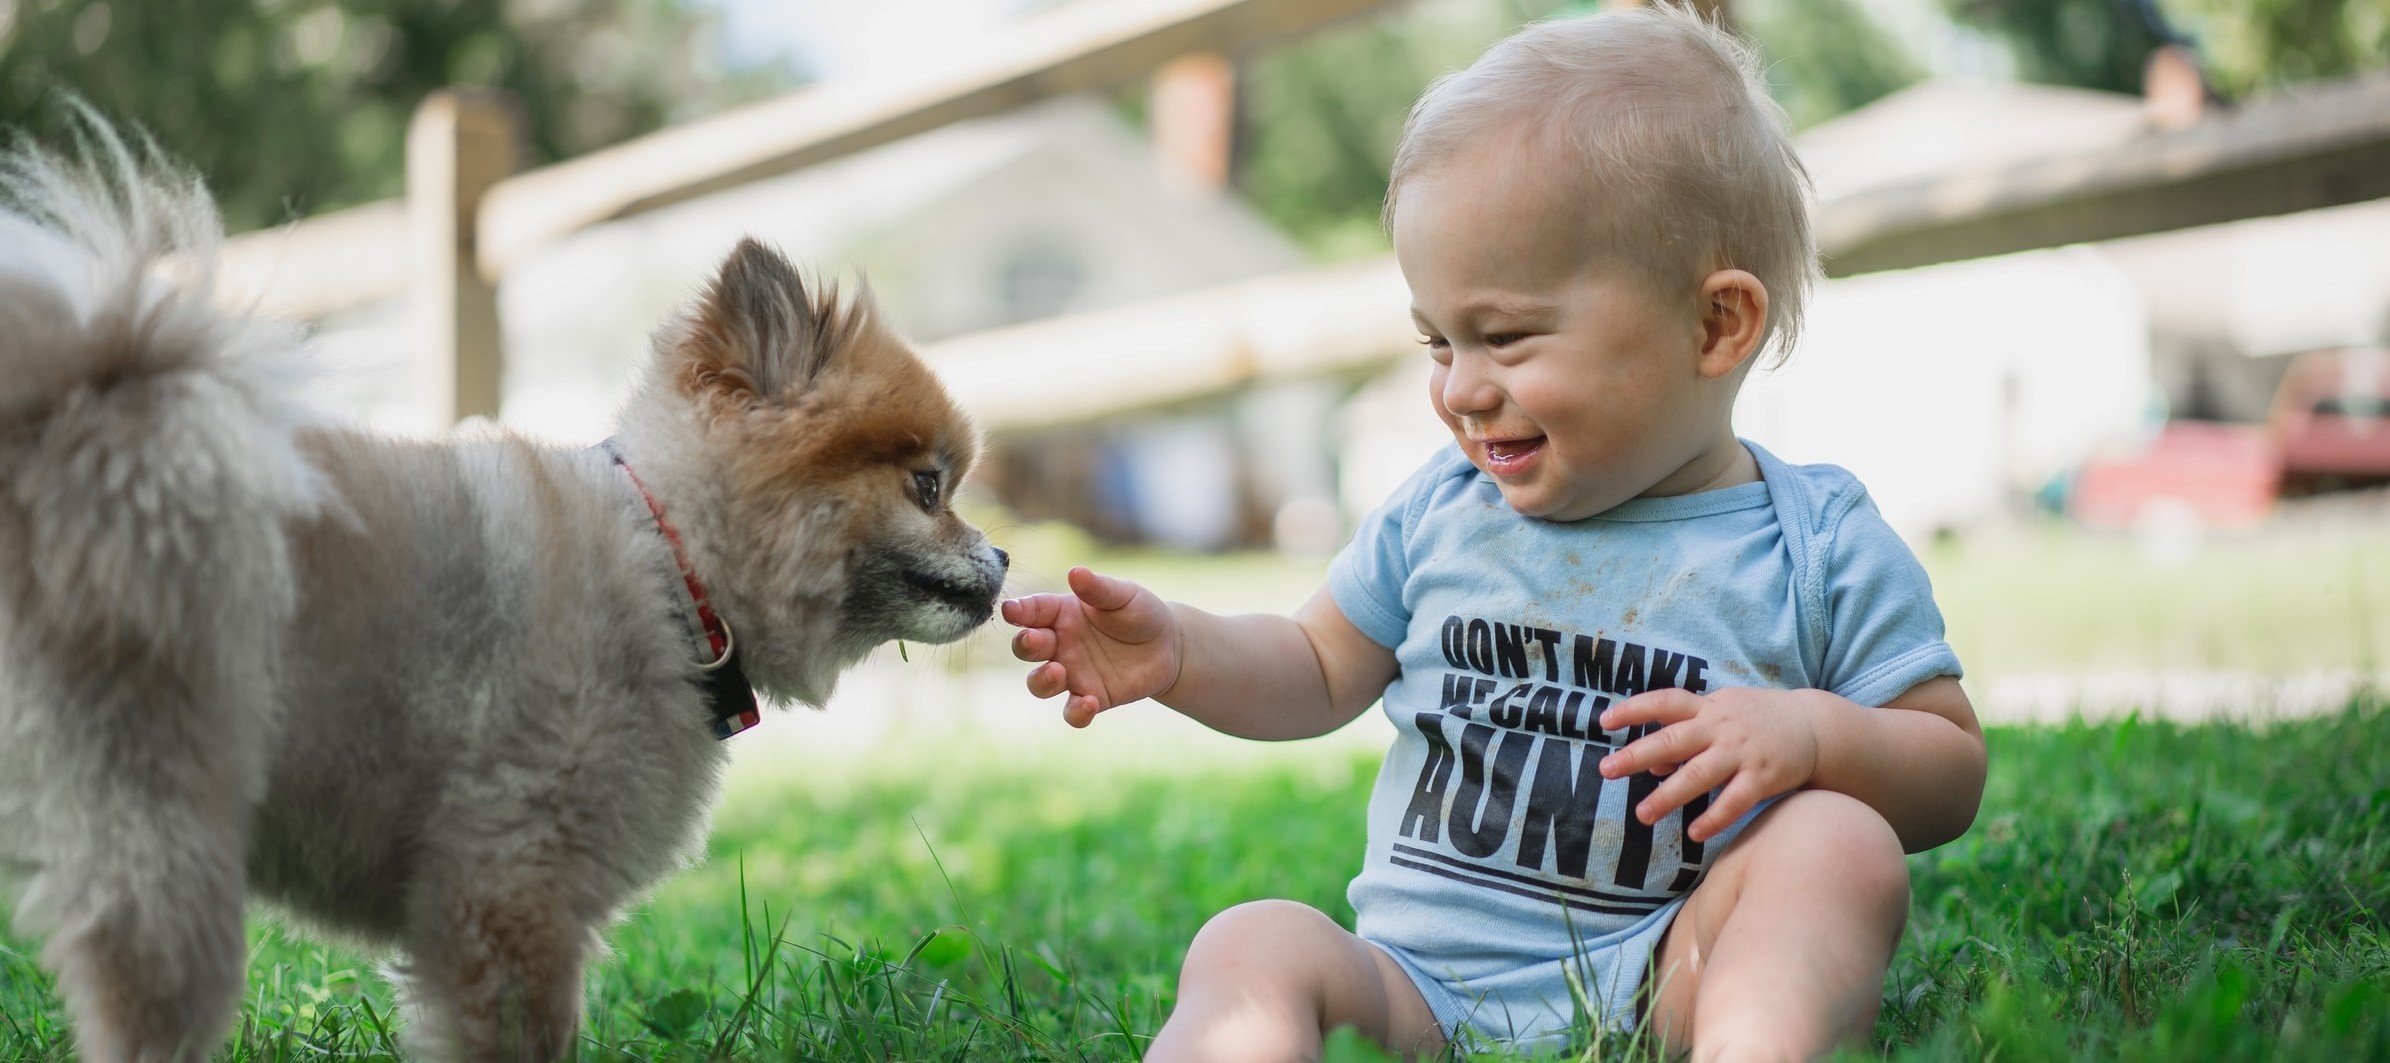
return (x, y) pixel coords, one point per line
(1434, 343)
(1504, 339)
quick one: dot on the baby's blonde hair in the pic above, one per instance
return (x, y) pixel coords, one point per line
(1665, 121)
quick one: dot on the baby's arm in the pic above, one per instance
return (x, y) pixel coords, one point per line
(1918, 761)
(1110, 642)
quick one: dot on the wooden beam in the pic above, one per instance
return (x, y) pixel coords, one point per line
(1073, 48)
(1065, 370)
(2306, 148)
(319, 265)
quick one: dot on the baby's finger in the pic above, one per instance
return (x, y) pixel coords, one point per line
(1047, 680)
(1741, 795)
(1035, 610)
(1080, 709)
(1674, 744)
(1694, 779)
(1657, 706)
(1034, 644)
(1101, 592)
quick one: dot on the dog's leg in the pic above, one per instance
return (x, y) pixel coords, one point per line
(497, 958)
(140, 878)
(150, 962)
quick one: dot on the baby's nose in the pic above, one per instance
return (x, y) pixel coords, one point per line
(1466, 392)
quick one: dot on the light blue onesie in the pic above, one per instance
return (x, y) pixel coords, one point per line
(1502, 867)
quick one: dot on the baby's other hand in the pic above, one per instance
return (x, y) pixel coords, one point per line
(1108, 642)
(1755, 742)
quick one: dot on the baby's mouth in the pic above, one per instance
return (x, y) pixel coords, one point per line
(1512, 455)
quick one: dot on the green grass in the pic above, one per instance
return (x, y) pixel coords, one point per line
(2042, 597)
(2049, 598)
(2133, 890)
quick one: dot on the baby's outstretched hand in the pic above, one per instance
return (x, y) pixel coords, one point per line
(1753, 741)
(1108, 642)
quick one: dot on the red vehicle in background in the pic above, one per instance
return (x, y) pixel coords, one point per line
(2328, 429)
(2331, 421)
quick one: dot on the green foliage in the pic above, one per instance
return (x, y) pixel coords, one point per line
(293, 107)
(1825, 57)
(2247, 45)
(2093, 44)
(2132, 891)
(2251, 45)
(1321, 115)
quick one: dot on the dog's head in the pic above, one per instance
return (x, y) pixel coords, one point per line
(813, 459)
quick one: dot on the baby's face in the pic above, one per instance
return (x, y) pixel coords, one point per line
(1569, 380)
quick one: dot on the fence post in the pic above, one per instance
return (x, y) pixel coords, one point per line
(459, 144)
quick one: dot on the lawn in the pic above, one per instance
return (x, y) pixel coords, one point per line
(2132, 890)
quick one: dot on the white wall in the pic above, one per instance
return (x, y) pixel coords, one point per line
(1947, 389)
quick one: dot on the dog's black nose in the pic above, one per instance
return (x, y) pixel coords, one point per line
(1003, 560)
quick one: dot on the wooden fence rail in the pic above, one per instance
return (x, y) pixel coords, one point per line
(2314, 146)
(1071, 49)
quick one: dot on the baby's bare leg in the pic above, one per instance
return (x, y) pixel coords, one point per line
(1267, 980)
(1780, 953)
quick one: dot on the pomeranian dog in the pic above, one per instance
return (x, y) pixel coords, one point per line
(460, 698)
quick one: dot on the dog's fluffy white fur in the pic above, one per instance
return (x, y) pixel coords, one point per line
(434, 695)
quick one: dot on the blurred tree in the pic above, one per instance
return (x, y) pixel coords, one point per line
(2247, 45)
(1321, 115)
(2251, 45)
(293, 107)
(2093, 44)
(1825, 57)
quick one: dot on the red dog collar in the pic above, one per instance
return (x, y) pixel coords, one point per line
(730, 699)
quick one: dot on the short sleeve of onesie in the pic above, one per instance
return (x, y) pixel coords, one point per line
(1885, 633)
(1367, 577)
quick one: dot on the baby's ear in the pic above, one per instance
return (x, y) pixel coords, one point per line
(1734, 320)
(759, 334)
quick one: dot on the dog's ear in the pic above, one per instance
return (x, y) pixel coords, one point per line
(759, 330)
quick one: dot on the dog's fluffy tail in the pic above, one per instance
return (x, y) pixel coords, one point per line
(148, 481)
(146, 430)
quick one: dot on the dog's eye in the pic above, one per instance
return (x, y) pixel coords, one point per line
(925, 489)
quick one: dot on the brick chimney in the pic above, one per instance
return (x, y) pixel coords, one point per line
(1193, 117)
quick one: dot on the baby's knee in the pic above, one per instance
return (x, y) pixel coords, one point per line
(1262, 928)
(1273, 943)
(1841, 832)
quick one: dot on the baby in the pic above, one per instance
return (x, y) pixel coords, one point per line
(1669, 710)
